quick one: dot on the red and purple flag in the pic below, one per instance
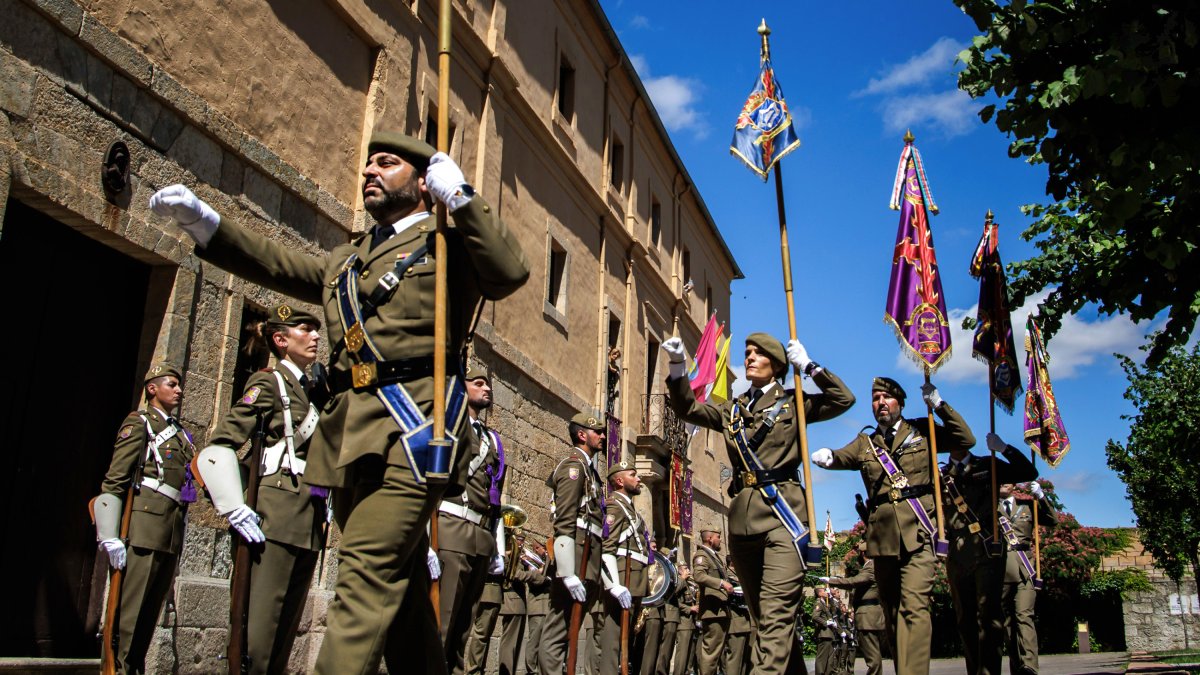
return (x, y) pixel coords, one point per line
(915, 305)
(993, 343)
(1044, 430)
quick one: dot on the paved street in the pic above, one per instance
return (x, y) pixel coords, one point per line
(1054, 664)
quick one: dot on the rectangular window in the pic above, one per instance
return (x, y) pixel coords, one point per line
(708, 301)
(566, 89)
(431, 131)
(250, 359)
(556, 284)
(652, 347)
(655, 222)
(687, 266)
(616, 166)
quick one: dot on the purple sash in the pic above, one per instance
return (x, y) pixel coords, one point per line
(899, 482)
(1011, 537)
(497, 473)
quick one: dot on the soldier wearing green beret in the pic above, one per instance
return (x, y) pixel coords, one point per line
(149, 465)
(626, 553)
(894, 459)
(577, 510)
(378, 295)
(763, 550)
(292, 515)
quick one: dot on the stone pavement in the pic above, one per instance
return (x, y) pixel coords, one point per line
(1104, 663)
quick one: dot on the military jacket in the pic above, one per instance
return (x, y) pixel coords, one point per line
(461, 534)
(893, 526)
(973, 480)
(823, 612)
(486, 262)
(290, 514)
(671, 605)
(493, 594)
(868, 615)
(689, 597)
(537, 596)
(627, 540)
(156, 521)
(749, 512)
(709, 573)
(578, 501)
(1022, 522)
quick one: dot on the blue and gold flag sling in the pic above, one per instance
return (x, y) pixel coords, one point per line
(783, 510)
(428, 462)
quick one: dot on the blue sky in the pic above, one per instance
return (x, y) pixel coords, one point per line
(856, 75)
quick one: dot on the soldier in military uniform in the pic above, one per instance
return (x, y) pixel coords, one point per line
(894, 459)
(647, 638)
(1019, 597)
(763, 548)
(378, 295)
(527, 572)
(670, 627)
(709, 572)
(537, 601)
(737, 657)
(150, 466)
(483, 624)
(626, 554)
(577, 511)
(868, 617)
(689, 615)
(470, 532)
(975, 568)
(826, 631)
(293, 517)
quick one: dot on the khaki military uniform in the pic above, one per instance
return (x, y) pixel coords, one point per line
(771, 570)
(647, 641)
(467, 540)
(902, 549)
(670, 628)
(974, 569)
(826, 633)
(685, 637)
(537, 603)
(736, 656)
(577, 513)
(382, 508)
(868, 616)
(627, 542)
(1019, 598)
(710, 574)
(292, 519)
(515, 609)
(483, 625)
(155, 525)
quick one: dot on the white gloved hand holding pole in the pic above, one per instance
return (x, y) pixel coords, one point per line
(624, 598)
(1035, 488)
(445, 181)
(434, 565)
(190, 212)
(115, 548)
(245, 521)
(932, 398)
(823, 458)
(575, 588)
(798, 355)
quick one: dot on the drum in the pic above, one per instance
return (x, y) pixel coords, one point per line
(662, 578)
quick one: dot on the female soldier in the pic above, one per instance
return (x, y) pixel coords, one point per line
(291, 516)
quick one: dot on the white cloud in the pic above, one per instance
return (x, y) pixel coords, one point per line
(640, 65)
(952, 112)
(1079, 481)
(935, 61)
(674, 97)
(1075, 348)
(640, 22)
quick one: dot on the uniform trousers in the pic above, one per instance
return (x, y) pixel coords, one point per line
(533, 645)
(772, 576)
(460, 586)
(512, 632)
(666, 648)
(685, 647)
(824, 656)
(552, 653)
(649, 641)
(712, 644)
(144, 587)
(1019, 601)
(905, 588)
(480, 638)
(614, 650)
(976, 589)
(381, 608)
(280, 575)
(735, 653)
(869, 644)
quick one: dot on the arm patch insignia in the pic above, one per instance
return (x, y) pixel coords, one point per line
(126, 431)
(573, 472)
(251, 395)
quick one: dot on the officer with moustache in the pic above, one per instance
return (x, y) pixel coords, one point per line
(626, 554)
(577, 510)
(896, 467)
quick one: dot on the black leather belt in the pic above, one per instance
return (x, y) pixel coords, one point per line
(386, 372)
(760, 477)
(898, 495)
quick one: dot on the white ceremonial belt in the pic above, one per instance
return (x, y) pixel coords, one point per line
(634, 555)
(461, 511)
(161, 488)
(585, 524)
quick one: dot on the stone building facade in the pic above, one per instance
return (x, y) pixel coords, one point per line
(264, 109)
(1167, 616)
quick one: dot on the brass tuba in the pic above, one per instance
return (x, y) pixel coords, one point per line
(513, 517)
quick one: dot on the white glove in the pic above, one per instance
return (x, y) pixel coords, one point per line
(823, 458)
(189, 211)
(245, 521)
(930, 393)
(496, 566)
(1035, 488)
(677, 357)
(831, 623)
(823, 580)
(575, 588)
(622, 595)
(115, 548)
(798, 355)
(995, 443)
(445, 182)
(435, 566)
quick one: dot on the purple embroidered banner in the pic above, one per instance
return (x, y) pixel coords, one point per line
(685, 519)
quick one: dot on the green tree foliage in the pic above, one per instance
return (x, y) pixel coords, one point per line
(1103, 93)
(1159, 462)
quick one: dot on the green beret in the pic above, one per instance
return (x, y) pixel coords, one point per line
(773, 348)
(162, 369)
(288, 315)
(617, 468)
(415, 151)
(588, 421)
(890, 387)
(475, 373)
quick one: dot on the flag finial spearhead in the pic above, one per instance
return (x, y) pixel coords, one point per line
(908, 137)
(988, 217)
